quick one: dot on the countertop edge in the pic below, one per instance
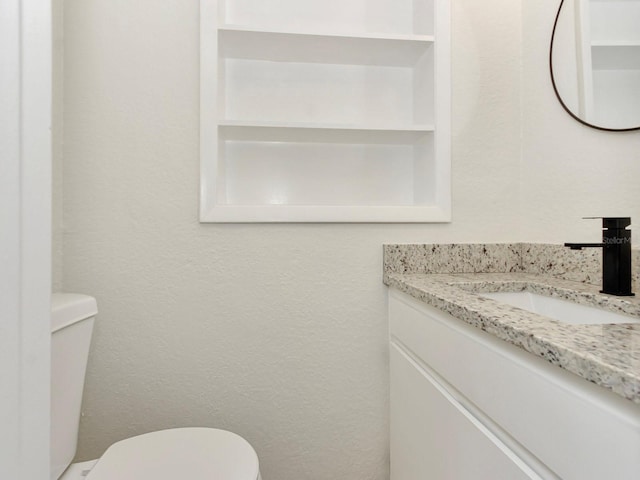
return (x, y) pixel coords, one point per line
(554, 342)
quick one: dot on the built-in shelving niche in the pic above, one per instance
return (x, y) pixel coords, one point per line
(325, 111)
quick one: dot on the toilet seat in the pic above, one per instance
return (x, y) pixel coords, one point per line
(179, 453)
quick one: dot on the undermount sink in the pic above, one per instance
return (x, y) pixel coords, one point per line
(559, 309)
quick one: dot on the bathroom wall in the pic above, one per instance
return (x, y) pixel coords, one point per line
(569, 171)
(277, 332)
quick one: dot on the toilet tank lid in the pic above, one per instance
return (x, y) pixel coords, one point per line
(69, 308)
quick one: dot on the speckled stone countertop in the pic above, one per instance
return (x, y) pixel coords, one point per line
(607, 354)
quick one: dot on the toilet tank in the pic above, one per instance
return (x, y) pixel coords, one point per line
(72, 317)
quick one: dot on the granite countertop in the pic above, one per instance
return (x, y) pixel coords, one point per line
(607, 355)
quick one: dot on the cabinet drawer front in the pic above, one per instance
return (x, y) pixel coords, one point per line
(433, 436)
(577, 429)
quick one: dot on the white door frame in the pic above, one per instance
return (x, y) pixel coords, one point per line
(25, 238)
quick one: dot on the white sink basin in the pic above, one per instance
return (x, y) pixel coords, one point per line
(559, 309)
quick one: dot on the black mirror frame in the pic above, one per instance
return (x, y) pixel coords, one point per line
(555, 88)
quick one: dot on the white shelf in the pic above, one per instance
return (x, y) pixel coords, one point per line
(315, 132)
(615, 56)
(410, 37)
(312, 114)
(320, 126)
(326, 214)
(315, 47)
(615, 43)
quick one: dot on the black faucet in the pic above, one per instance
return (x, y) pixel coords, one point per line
(616, 255)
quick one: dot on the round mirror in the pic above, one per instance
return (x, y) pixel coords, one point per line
(595, 62)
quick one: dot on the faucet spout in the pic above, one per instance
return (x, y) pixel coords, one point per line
(616, 255)
(580, 246)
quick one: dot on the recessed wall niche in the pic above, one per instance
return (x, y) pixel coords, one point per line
(325, 111)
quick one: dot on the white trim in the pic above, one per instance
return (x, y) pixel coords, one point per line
(442, 18)
(325, 214)
(208, 104)
(25, 243)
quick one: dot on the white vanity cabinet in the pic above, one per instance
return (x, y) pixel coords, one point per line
(325, 110)
(466, 405)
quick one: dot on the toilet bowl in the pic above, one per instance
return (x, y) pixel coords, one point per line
(194, 453)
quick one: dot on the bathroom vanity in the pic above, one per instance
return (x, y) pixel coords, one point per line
(483, 389)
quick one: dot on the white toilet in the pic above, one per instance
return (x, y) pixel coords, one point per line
(179, 453)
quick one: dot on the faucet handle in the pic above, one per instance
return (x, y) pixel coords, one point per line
(616, 223)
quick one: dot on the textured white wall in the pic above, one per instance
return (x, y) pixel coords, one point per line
(277, 332)
(569, 171)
